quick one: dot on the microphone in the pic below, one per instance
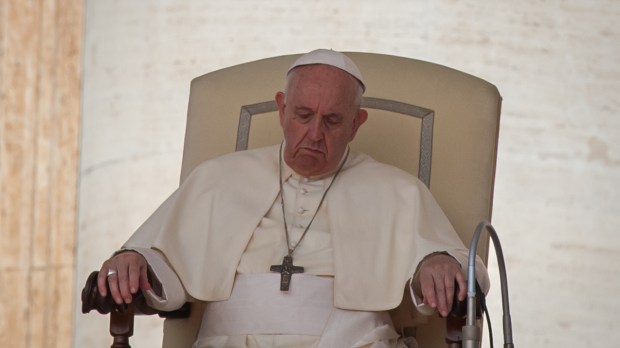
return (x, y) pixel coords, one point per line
(471, 332)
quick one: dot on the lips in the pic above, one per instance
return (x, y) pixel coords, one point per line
(312, 150)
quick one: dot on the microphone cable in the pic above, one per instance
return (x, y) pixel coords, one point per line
(471, 333)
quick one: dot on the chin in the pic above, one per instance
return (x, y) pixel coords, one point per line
(307, 167)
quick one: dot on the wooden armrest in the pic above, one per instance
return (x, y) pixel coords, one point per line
(92, 300)
(122, 316)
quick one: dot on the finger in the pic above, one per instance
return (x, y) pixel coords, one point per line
(114, 291)
(450, 287)
(123, 284)
(102, 280)
(440, 294)
(427, 285)
(460, 279)
(134, 277)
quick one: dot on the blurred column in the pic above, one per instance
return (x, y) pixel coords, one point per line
(40, 67)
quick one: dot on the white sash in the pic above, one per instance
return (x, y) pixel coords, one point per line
(257, 306)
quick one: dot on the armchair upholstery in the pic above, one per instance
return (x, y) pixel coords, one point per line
(435, 122)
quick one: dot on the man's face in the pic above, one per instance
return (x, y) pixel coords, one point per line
(319, 117)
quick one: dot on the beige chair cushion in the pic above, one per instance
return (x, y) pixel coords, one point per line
(464, 112)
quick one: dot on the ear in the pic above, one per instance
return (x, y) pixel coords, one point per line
(280, 97)
(360, 118)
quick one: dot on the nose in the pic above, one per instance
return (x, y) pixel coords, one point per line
(315, 129)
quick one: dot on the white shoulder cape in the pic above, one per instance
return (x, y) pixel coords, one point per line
(383, 222)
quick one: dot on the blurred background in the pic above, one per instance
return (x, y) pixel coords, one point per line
(93, 97)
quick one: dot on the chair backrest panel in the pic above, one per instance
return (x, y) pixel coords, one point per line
(408, 129)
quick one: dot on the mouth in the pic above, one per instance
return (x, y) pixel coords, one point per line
(312, 150)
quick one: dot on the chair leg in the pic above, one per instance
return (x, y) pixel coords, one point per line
(121, 326)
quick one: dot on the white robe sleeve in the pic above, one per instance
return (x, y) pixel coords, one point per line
(172, 295)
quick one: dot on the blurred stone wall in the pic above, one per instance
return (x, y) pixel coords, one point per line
(40, 71)
(556, 64)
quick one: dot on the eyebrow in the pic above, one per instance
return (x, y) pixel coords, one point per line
(303, 108)
(331, 115)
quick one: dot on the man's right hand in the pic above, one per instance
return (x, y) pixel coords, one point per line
(125, 273)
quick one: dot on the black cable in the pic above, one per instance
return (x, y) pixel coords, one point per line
(483, 304)
(481, 298)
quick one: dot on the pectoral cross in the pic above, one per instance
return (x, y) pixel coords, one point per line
(286, 269)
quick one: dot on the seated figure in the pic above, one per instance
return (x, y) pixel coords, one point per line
(303, 244)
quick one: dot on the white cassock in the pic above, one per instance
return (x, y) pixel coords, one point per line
(223, 229)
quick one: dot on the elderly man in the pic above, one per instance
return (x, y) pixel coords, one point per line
(306, 244)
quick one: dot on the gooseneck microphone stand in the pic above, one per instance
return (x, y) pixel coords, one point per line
(471, 333)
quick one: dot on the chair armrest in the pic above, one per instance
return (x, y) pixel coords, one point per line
(122, 316)
(92, 300)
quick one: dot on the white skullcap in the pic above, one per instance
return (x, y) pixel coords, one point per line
(332, 58)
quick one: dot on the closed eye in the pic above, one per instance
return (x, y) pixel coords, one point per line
(332, 119)
(303, 114)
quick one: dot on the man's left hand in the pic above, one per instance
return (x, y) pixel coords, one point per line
(436, 280)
